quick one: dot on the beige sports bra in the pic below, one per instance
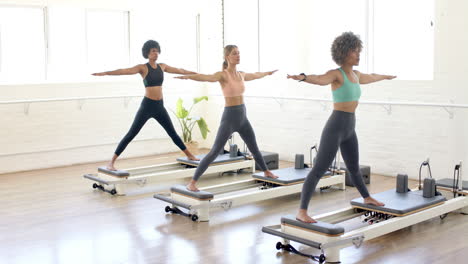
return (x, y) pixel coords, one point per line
(232, 86)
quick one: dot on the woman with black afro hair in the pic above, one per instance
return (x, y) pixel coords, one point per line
(339, 131)
(152, 105)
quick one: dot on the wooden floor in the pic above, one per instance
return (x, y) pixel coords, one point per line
(54, 216)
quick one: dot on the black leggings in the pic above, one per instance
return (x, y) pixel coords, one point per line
(234, 119)
(338, 133)
(150, 109)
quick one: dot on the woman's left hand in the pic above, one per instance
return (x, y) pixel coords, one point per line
(295, 77)
(271, 72)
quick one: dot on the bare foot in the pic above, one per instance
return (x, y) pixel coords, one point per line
(370, 200)
(192, 157)
(191, 187)
(111, 167)
(270, 174)
(302, 216)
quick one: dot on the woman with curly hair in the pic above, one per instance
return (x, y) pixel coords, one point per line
(339, 131)
(234, 117)
(152, 105)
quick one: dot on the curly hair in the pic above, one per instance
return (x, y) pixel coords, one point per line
(150, 44)
(343, 44)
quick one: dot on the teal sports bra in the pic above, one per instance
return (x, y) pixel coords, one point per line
(347, 92)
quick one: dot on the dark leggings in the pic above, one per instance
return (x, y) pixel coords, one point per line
(150, 109)
(338, 132)
(234, 119)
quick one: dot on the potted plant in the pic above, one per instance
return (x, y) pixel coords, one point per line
(188, 122)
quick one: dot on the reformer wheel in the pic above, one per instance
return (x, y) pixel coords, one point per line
(194, 218)
(322, 258)
(95, 185)
(113, 192)
(168, 209)
(279, 245)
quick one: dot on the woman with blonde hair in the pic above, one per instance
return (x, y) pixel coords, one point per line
(234, 117)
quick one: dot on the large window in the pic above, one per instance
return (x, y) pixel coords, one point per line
(283, 40)
(67, 44)
(330, 19)
(398, 36)
(107, 39)
(174, 28)
(241, 29)
(60, 43)
(22, 44)
(403, 38)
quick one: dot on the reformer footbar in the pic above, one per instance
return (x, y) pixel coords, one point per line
(258, 188)
(115, 182)
(402, 208)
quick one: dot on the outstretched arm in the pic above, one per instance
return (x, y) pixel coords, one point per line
(170, 69)
(128, 71)
(373, 77)
(202, 77)
(324, 79)
(257, 75)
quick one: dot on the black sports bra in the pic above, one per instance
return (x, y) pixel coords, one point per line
(155, 77)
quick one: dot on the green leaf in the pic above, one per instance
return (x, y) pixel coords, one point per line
(181, 112)
(188, 122)
(196, 100)
(203, 127)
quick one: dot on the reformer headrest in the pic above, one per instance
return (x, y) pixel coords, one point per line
(119, 173)
(319, 227)
(182, 189)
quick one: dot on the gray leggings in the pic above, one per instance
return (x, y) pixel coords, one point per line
(234, 119)
(338, 132)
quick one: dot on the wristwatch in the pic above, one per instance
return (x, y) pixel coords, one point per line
(305, 77)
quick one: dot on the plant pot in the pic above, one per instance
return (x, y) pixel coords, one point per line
(193, 147)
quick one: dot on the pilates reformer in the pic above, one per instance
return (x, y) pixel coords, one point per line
(258, 188)
(403, 208)
(456, 185)
(117, 182)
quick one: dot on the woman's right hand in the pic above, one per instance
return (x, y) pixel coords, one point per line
(99, 74)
